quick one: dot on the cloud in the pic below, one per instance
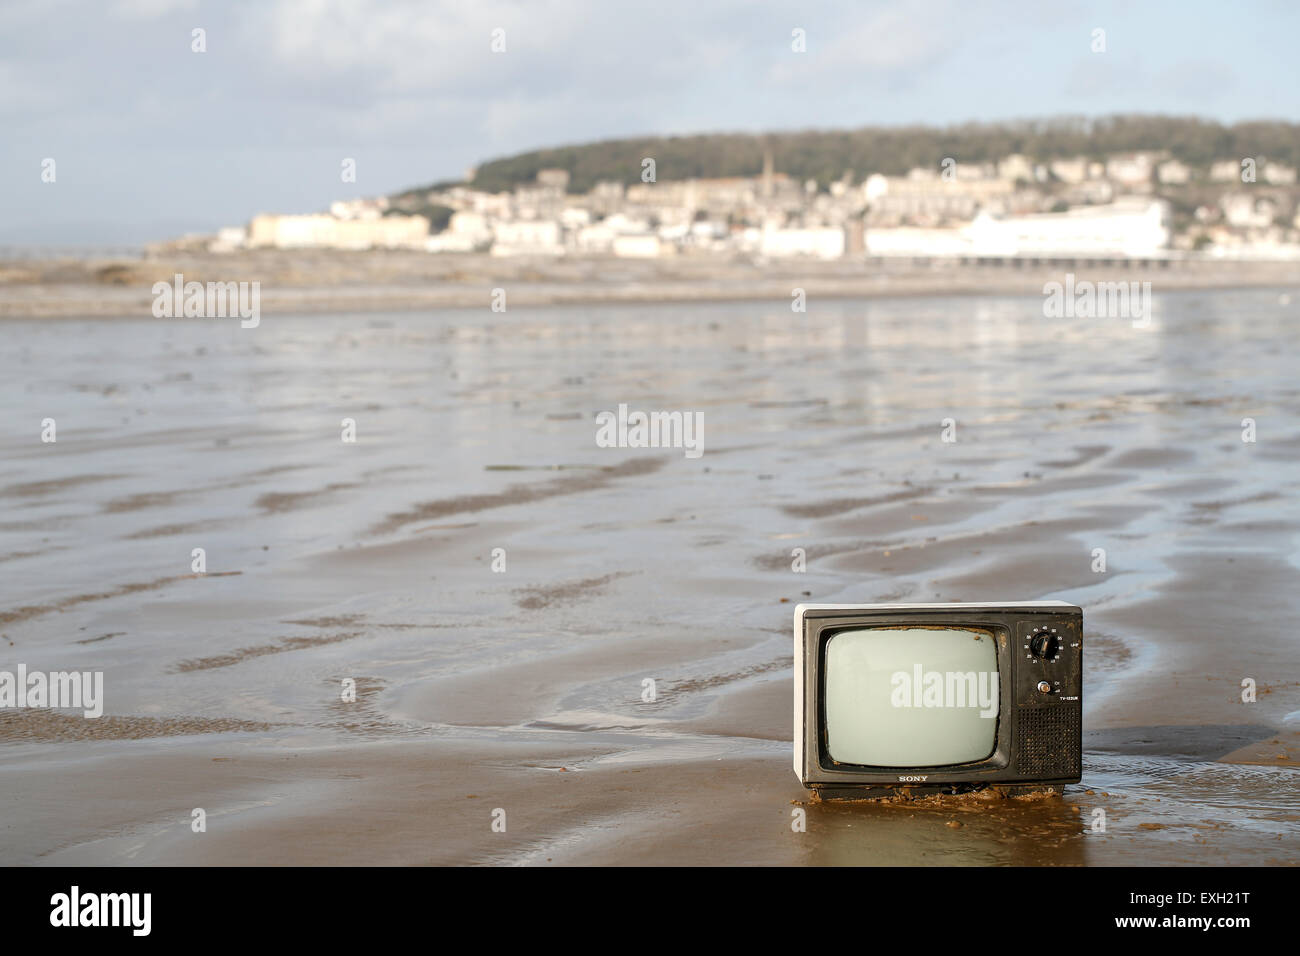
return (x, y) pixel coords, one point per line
(900, 37)
(150, 9)
(412, 89)
(1108, 75)
(1197, 80)
(1187, 83)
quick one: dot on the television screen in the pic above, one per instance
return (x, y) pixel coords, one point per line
(911, 696)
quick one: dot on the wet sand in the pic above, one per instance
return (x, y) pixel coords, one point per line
(522, 690)
(305, 281)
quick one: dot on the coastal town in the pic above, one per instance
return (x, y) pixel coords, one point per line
(1130, 206)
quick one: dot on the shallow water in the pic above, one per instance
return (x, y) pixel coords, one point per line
(373, 560)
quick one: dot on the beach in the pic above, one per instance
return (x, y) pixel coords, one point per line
(498, 588)
(318, 281)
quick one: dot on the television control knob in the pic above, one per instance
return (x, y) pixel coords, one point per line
(1045, 646)
(1044, 687)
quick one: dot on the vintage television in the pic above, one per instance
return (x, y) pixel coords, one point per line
(937, 697)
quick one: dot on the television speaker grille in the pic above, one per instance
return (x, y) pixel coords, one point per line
(1047, 741)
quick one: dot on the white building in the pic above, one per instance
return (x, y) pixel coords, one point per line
(468, 223)
(448, 241)
(1132, 170)
(492, 205)
(1173, 173)
(823, 243)
(595, 238)
(292, 232)
(641, 247)
(527, 237)
(1244, 211)
(1135, 229)
(1275, 174)
(925, 195)
(1070, 171)
(228, 239)
(1230, 170)
(1016, 167)
(1225, 171)
(575, 217)
(327, 232)
(1089, 192)
(706, 231)
(623, 224)
(466, 231)
(359, 208)
(907, 241)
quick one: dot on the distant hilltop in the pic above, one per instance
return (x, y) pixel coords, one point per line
(1137, 188)
(825, 156)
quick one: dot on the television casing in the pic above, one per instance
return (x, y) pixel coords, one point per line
(1039, 740)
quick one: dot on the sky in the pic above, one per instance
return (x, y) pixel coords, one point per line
(151, 139)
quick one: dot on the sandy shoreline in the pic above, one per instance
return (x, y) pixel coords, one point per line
(521, 690)
(334, 282)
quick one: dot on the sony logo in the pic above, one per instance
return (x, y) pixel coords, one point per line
(913, 779)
